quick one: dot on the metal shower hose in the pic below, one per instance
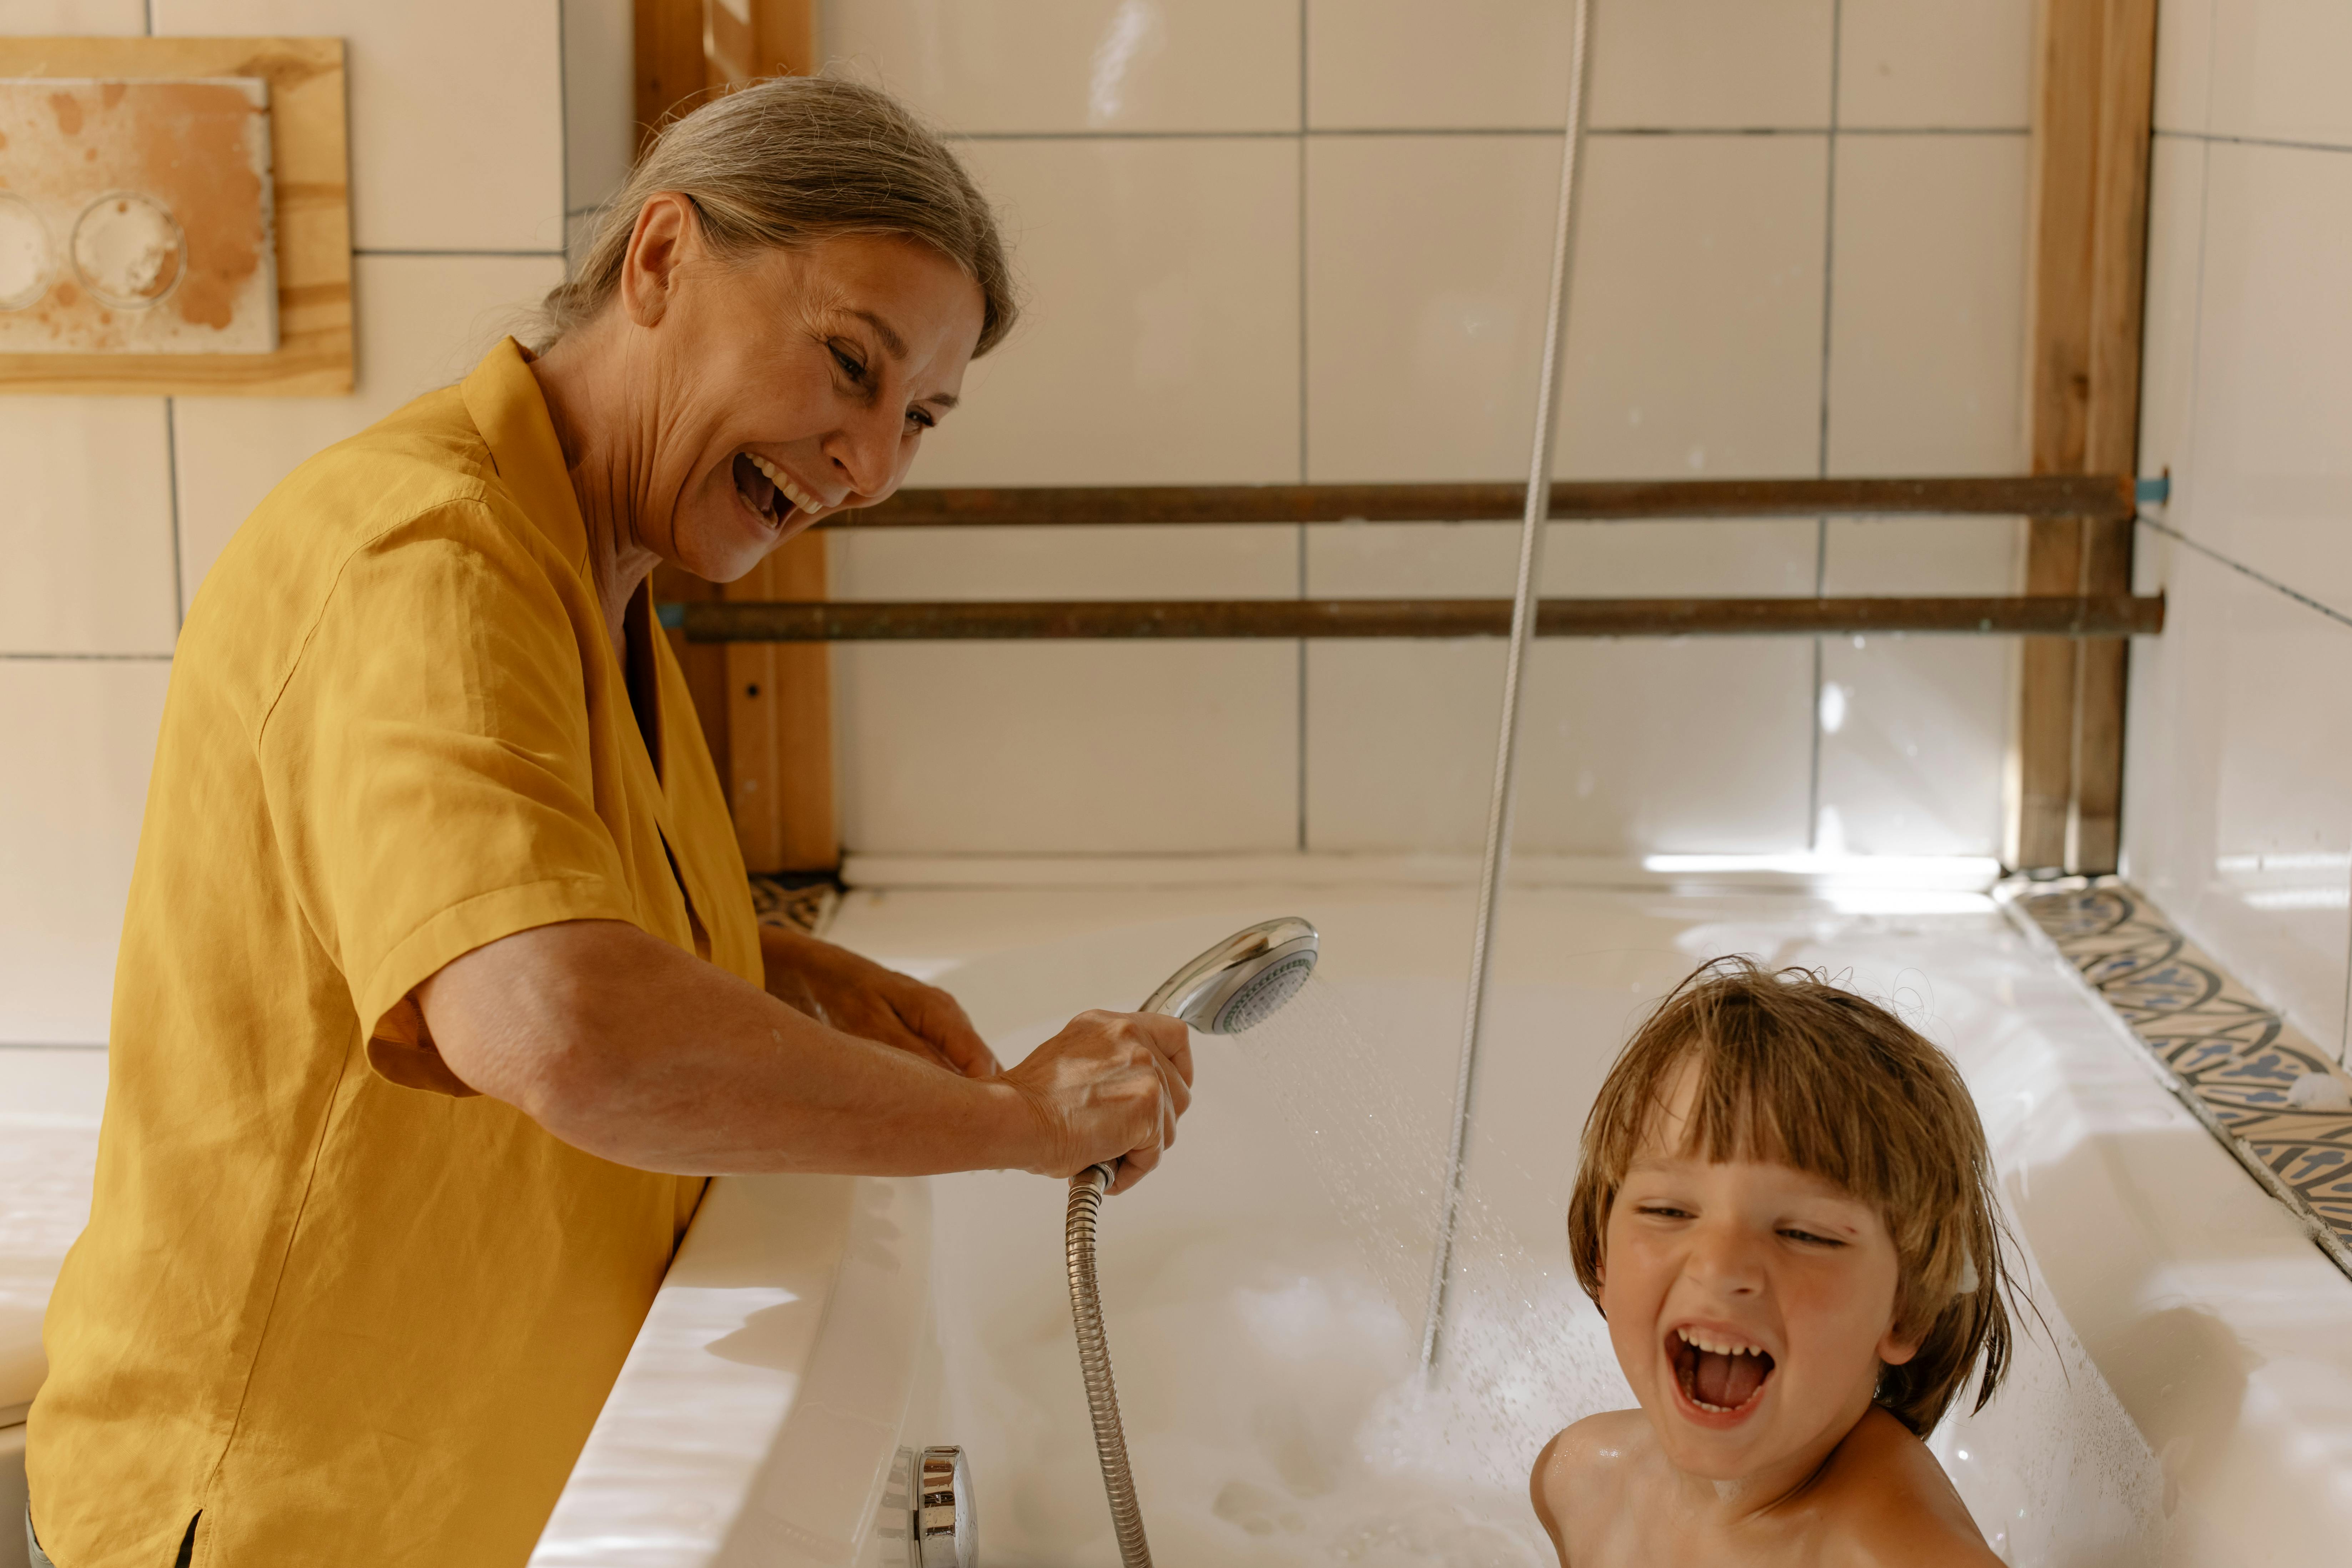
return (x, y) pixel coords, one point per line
(1086, 1189)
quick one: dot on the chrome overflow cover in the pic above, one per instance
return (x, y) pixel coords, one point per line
(945, 1530)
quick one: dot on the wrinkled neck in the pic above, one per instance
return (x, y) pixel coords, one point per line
(606, 420)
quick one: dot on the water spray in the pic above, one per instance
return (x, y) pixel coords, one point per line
(1236, 986)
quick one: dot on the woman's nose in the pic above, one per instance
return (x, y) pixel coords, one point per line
(865, 454)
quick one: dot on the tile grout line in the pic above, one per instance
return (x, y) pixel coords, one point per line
(85, 657)
(541, 253)
(1822, 443)
(2212, 139)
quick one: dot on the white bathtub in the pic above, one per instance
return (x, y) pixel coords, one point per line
(2192, 1404)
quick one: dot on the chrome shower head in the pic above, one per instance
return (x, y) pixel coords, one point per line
(1243, 980)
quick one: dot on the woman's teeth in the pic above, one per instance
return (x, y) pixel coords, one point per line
(800, 499)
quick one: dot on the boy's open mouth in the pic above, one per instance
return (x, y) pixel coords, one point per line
(767, 491)
(1719, 1376)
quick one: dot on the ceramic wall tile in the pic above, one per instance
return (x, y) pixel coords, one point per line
(1159, 343)
(1392, 63)
(1913, 745)
(87, 526)
(981, 66)
(1086, 748)
(2278, 70)
(1930, 63)
(2272, 482)
(73, 18)
(1709, 64)
(456, 113)
(424, 320)
(1927, 313)
(2184, 64)
(1243, 561)
(2175, 255)
(1625, 749)
(600, 110)
(1494, 63)
(2237, 821)
(1426, 269)
(1634, 560)
(73, 782)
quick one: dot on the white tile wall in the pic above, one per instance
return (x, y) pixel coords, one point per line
(600, 115)
(73, 781)
(2184, 64)
(1161, 340)
(1035, 748)
(424, 320)
(1148, 562)
(1904, 63)
(87, 527)
(1078, 64)
(1708, 64)
(77, 18)
(1426, 269)
(2278, 70)
(456, 117)
(2274, 472)
(1928, 327)
(2235, 812)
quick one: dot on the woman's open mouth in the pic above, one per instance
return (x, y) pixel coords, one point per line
(1718, 1375)
(768, 492)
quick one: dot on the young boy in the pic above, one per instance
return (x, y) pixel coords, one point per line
(1784, 1211)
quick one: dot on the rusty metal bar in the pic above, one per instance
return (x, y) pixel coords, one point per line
(2109, 615)
(2045, 495)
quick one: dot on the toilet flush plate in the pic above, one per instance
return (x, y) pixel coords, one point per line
(136, 217)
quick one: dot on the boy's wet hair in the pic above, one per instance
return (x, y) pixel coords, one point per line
(1795, 1071)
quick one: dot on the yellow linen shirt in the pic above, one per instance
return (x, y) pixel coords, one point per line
(342, 1308)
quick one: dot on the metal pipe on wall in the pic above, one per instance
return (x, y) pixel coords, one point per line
(806, 621)
(1523, 629)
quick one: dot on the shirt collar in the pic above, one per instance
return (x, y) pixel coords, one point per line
(504, 400)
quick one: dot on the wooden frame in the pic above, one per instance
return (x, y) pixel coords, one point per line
(2089, 263)
(310, 184)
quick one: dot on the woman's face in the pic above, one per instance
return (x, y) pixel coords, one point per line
(791, 383)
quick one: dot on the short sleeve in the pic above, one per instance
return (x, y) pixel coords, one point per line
(430, 771)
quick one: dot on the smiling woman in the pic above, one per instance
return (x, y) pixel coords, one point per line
(421, 1103)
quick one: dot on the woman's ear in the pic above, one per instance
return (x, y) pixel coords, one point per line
(665, 232)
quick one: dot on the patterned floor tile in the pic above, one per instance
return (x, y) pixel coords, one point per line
(2240, 1057)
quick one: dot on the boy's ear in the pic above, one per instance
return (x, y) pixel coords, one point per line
(1893, 1349)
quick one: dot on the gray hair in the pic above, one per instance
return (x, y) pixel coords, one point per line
(791, 160)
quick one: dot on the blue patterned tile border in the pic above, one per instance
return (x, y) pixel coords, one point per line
(2233, 1058)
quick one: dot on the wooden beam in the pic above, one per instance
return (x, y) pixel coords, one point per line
(2086, 276)
(2085, 495)
(670, 66)
(739, 621)
(779, 714)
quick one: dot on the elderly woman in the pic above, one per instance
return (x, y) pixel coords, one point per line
(440, 991)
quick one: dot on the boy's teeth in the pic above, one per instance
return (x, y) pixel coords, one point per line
(1698, 1340)
(791, 492)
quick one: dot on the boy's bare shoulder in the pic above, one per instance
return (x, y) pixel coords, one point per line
(1887, 1502)
(1586, 1468)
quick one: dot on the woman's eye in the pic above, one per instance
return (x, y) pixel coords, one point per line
(855, 371)
(921, 418)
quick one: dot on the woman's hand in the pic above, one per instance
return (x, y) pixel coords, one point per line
(859, 996)
(1108, 1089)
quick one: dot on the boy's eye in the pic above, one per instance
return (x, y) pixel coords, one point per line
(1794, 1234)
(1662, 1211)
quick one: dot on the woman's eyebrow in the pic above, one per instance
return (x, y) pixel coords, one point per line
(892, 343)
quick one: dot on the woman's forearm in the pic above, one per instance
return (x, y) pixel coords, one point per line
(623, 1045)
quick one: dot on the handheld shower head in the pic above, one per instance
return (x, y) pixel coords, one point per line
(1243, 980)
